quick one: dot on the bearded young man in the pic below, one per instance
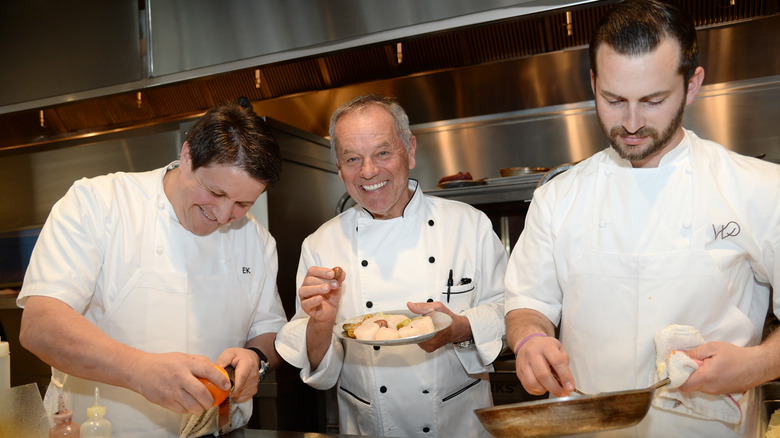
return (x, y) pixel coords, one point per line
(662, 231)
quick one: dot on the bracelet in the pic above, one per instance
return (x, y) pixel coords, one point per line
(525, 339)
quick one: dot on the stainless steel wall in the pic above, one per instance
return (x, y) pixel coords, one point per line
(741, 116)
(32, 182)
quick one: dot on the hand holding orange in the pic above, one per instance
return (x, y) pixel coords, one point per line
(218, 393)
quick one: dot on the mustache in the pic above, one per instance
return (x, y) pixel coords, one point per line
(644, 131)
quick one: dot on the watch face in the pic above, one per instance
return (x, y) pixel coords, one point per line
(263, 369)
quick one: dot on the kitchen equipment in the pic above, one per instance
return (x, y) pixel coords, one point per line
(462, 183)
(569, 415)
(515, 171)
(555, 171)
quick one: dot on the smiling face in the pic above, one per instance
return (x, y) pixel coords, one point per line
(640, 101)
(211, 196)
(373, 163)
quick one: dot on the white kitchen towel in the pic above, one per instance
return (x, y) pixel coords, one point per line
(210, 421)
(672, 362)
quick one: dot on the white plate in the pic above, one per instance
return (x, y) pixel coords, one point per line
(440, 322)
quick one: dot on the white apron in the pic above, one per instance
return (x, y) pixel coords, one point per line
(161, 310)
(642, 267)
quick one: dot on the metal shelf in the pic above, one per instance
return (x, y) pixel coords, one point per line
(510, 189)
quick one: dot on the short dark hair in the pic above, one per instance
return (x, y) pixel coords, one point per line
(400, 119)
(635, 27)
(230, 135)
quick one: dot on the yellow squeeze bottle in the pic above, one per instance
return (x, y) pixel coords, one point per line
(96, 425)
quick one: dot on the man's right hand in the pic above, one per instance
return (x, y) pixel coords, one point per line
(171, 381)
(320, 293)
(540, 363)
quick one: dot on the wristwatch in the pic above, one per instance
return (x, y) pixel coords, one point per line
(465, 344)
(263, 362)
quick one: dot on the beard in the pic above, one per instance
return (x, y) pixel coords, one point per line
(638, 153)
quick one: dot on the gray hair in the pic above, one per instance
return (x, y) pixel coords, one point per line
(400, 119)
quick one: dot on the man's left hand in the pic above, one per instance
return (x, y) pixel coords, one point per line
(726, 368)
(246, 374)
(458, 331)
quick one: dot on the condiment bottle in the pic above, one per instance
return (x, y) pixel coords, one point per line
(63, 423)
(5, 365)
(96, 425)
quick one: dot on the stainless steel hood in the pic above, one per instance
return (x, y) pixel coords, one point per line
(457, 59)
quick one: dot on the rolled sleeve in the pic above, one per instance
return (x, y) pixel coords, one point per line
(487, 328)
(531, 278)
(291, 345)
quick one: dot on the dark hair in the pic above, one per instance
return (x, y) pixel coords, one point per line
(230, 135)
(400, 119)
(636, 27)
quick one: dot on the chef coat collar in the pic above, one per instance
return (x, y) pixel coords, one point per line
(677, 153)
(161, 190)
(414, 202)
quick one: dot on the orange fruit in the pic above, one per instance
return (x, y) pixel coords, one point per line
(217, 393)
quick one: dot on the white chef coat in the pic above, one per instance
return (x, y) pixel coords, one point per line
(114, 250)
(616, 254)
(402, 390)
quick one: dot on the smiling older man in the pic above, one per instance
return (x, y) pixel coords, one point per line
(398, 248)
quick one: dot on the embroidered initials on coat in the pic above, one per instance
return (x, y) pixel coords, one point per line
(728, 230)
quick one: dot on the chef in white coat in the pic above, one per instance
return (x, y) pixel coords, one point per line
(139, 281)
(397, 247)
(661, 228)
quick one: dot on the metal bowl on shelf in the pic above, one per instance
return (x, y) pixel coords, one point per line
(516, 171)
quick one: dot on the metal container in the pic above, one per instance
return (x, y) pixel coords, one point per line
(569, 415)
(515, 171)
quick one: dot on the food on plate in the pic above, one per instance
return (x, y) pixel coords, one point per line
(386, 333)
(382, 327)
(773, 429)
(217, 393)
(460, 176)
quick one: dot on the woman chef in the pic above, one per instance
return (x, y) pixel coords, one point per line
(662, 229)
(140, 280)
(397, 246)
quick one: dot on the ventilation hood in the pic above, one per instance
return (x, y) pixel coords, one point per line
(297, 60)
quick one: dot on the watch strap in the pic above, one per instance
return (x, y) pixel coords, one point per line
(263, 361)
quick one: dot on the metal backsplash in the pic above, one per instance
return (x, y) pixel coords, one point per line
(739, 115)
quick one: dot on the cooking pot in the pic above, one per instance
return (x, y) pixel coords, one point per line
(569, 415)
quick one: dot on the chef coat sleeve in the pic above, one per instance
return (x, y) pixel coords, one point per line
(487, 316)
(531, 278)
(269, 314)
(67, 257)
(291, 341)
